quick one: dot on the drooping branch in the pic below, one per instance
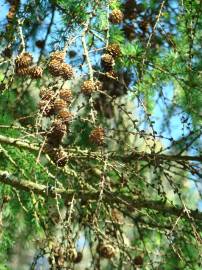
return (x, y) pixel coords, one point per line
(110, 197)
(79, 154)
(18, 143)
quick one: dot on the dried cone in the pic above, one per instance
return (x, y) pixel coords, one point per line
(114, 49)
(117, 216)
(46, 108)
(60, 158)
(54, 67)
(35, 72)
(144, 25)
(40, 44)
(59, 105)
(138, 260)
(7, 52)
(23, 60)
(78, 258)
(88, 87)
(66, 71)
(23, 71)
(58, 56)
(129, 32)
(116, 16)
(6, 198)
(107, 61)
(46, 94)
(66, 95)
(97, 136)
(72, 254)
(130, 10)
(10, 16)
(106, 251)
(56, 133)
(65, 116)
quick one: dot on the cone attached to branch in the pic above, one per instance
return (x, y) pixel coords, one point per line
(59, 105)
(107, 61)
(23, 60)
(114, 49)
(116, 16)
(46, 108)
(88, 87)
(66, 71)
(97, 136)
(35, 72)
(65, 116)
(106, 251)
(46, 94)
(58, 56)
(66, 94)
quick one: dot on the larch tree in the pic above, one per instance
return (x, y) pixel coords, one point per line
(100, 134)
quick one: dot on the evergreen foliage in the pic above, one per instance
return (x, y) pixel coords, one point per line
(108, 174)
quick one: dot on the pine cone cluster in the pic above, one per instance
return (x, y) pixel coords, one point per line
(46, 103)
(23, 66)
(97, 136)
(116, 16)
(63, 255)
(57, 66)
(106, 251)
(55, 104)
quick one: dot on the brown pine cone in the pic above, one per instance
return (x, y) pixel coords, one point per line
(7, 52)
(107, 61)
(59, 105)
(138, 260)
(46, 108)
(106, 251)
(46, 94)
(40, 44)
(58, 56)
(114, 49)
(97, 136)
(35, 72)
(78, 258)
(54, 67)
(22, 71)
(23, 60)
(10, 16)
(65, 115)
(88, 87)
(56, 133)
(60, 158)
(66, 71)
(66, 94)
(116, 16)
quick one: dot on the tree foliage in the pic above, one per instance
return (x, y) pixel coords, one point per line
(100, 134)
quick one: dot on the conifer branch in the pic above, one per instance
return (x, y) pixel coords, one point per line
(109, 197)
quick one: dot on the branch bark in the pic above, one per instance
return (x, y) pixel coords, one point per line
(137, 156)
(109, 197)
